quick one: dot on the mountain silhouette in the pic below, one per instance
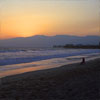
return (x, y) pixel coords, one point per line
(49, 41)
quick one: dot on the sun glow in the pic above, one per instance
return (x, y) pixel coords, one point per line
(23, 19)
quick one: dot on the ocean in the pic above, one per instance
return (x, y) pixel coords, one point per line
(28, 59)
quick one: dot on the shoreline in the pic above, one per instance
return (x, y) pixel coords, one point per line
(69, 66)
(42, 65)
(72, 82)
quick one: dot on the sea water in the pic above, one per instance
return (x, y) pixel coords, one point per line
(19, 60)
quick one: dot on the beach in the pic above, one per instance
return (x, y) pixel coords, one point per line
(68, 82)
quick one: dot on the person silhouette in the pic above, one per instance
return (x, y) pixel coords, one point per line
(83, 61)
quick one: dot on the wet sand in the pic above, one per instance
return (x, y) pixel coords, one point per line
(69, 82)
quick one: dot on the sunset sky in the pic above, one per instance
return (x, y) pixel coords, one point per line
(24, 18)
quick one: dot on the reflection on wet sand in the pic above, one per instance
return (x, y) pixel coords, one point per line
(40, 65)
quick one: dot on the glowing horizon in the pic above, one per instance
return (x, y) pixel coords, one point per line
(40, 17)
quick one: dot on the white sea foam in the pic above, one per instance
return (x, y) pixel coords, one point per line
(16, 56)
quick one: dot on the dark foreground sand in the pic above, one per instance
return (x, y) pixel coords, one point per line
(70, 82)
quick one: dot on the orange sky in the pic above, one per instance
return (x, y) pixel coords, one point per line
(23, 18)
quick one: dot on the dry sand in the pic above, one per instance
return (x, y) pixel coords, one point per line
(69, 82)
